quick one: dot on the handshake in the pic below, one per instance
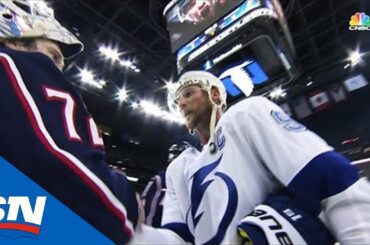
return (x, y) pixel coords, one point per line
(284, 219)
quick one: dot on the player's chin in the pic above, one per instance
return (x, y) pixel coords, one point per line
(190, 124)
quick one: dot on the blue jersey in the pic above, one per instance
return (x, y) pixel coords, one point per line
(152, 197)
(47, 133)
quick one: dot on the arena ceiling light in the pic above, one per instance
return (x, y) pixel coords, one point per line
(355, 58)
(86, 75)
(112, 54)
(122, 94)
(129, 64)
(125, 63)
(277, 93)
(109, 53)
(152, 109)
(132, 179)
(102, 82)
(170, 86)
(134, 105)
(173, 118)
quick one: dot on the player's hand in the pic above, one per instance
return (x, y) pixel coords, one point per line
(284, 219)
(251, 235)
(245, 239)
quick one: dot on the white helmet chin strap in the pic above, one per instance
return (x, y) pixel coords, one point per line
(212, 126)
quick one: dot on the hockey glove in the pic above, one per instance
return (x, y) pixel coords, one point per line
(283, 219)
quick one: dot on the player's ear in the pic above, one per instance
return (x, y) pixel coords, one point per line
(215, 95)
(15, 44)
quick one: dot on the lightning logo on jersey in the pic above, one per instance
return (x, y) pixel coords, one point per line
(198, 189)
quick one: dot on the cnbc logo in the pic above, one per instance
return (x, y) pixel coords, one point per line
(359, 22)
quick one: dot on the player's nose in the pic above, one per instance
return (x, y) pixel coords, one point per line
(182, 104)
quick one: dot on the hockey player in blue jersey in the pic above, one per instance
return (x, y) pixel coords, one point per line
(230, 192)
(45, 129)
(153, 194)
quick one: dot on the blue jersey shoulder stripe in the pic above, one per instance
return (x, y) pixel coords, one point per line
(326, 175)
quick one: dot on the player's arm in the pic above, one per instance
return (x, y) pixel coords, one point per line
(174, 227)
(45, 133)
(152, 198)
(312, 170)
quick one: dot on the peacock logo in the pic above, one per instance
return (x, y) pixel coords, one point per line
(359, 22)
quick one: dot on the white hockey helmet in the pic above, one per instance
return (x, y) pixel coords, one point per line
(21, 19)
(206, 81)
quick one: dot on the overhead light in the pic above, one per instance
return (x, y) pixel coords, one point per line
(133, 179)
(355, 58)
(86, 75)
(134, 105)
(309, 83)
(109, 53)
(277, 92)
(137, 70)
(122, 94)
(349, 141)
(150, 108)
(114, 146)
(346, 66)
(170, 86)
(208, 65)
(125, 63)
(173, 118)
(102, 82)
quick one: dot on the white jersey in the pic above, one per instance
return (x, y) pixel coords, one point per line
(259, 150)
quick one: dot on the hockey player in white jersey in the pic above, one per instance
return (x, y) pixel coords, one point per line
(250, 152)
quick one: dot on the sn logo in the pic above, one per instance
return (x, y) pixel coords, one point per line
(31, 216)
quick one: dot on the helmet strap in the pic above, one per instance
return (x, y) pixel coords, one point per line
(212, 126)
(212, 123)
